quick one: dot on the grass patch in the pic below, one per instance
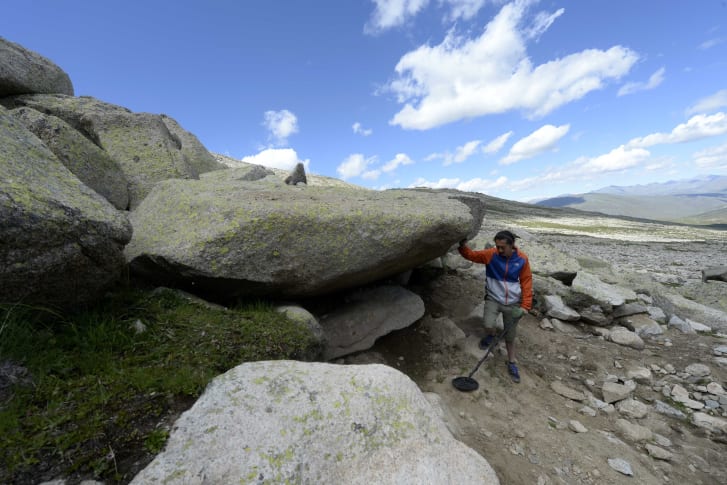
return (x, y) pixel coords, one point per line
(94, 389)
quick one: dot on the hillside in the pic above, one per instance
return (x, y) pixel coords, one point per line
(700, 201)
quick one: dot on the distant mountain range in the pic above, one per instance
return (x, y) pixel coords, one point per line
(701, 201)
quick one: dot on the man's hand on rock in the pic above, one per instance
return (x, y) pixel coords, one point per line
(463, 243)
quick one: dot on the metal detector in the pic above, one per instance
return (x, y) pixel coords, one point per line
(468, 383)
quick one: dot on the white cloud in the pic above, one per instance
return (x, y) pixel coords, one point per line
(697, 127)
(619, 158)
(472, 185)
(399, 159)
(281, 125)
(495, 145)
(710, 103)
(283, 158)
(392, 13)
(355, 165)
(464, 9)
(461, 153)
(541, 140)
(654, 80)
(713, 158)
(708, 44)
(464, 78)
(360, 130)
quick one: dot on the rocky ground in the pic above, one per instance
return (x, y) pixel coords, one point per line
(532, 434)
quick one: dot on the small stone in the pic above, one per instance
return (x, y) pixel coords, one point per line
(667, 410)
(612, 392)
(621, 466)
(698, 370)
(588, 411)
(559, 388)
(658, 453)
(576, 426)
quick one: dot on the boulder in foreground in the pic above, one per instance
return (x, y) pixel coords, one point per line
(294, 422)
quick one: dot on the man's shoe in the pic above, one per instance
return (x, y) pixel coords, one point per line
(486, 341)
(512, 369)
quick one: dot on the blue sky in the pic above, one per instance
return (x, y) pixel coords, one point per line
(520, 100)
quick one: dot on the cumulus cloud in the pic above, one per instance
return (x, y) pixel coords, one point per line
(472, 185)
(281, 125)
(710, 103)
(541, 140)
(495, 145)
(617, 159)
(399, 159)
(713, 158)
(360, 130)
(697, 127)
(283, 158)
(464, 78)
(392, 13)
(461, 153)
(357, 165)
(654, 80)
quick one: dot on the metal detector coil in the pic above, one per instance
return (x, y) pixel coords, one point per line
(468, 383)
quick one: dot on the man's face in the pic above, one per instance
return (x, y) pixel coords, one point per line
(503, 248)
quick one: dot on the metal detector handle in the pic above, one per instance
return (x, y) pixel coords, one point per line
(492, 345)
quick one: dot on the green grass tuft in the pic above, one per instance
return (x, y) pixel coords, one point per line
(95, 385)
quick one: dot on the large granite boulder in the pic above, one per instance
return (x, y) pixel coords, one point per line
(60, 242)
(228, 239)
(148, 147)
(294, 422)
(25, 72)
(93, 166)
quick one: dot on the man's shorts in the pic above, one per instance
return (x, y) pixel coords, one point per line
(493, 308)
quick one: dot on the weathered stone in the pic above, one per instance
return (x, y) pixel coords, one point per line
(594, 316)
(25, 72)
(657, 314)
(306, 319)
(698, 370)
(297, 175)
(628, 309)
(633, 432)
(663, 408)
(698, 326)
(613, 392)
(149, 148)
(294, 422)
(442, 331)
(252, 238)
(60, 242)
(557, 309)
(642, 325)
(631, 408)
(679, 324)
(642, 375)
(624, 336)
(715, 388)
(718, 273)
(248, 173)
(676, 304)
(89, 163)
(711, 423)
(658, 452)
(559, 388)
(621, 466)
(576, 426)
(610, 295)
(366, 315)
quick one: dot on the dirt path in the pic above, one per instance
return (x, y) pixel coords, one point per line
(523, 429)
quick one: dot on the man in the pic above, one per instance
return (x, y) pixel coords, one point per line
(509, 289)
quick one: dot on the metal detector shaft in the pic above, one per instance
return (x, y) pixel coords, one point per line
(492, 345)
